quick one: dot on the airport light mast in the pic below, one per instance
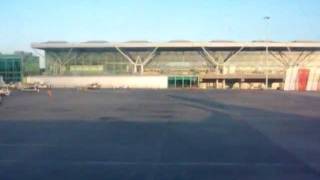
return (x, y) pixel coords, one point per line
(267, 19)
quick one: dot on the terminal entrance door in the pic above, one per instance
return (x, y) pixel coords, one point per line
(183, 82)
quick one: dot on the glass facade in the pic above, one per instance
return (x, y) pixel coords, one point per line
(14, 67)
(188, 61)
(86, 62)
(10, 68)
(30, 65)
(111, 62)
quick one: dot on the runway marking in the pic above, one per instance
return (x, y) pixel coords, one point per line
(122, 163)
(34, 144)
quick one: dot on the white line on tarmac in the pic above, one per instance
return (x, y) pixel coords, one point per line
(121, 163)
(31, 145)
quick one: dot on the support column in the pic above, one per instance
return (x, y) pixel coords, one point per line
(150, 56)
(217, 83)
(142, 69)
(281, 60)
(212, 60)
(229, 58)
(182, 82)
(267, 66)
(134, 68)
(128, 58)
(306, 59)
(175, 82)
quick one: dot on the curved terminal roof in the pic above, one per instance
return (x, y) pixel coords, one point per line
(177, 44)
(180, 41)
(94, 41)
(138, 41)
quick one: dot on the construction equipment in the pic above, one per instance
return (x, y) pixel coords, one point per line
(94, 86)
(4, 91)
(31, 88)
(42, 85)
(2, 83)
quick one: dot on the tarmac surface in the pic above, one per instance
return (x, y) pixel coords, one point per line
(160, 134)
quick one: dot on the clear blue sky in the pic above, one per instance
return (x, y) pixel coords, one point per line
(26, 21)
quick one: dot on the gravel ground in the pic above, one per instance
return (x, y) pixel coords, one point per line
(160, 134)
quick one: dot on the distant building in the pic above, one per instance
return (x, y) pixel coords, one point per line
(30, 63)
(13, 67)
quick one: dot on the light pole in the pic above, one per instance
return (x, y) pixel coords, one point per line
(266, 19)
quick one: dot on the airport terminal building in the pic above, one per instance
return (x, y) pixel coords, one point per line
(177, 64)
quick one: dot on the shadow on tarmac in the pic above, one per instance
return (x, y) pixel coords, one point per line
(222, 146)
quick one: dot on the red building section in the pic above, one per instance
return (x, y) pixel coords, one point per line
(302, 79)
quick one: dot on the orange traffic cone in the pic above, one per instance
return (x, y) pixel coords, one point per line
(49, 93)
